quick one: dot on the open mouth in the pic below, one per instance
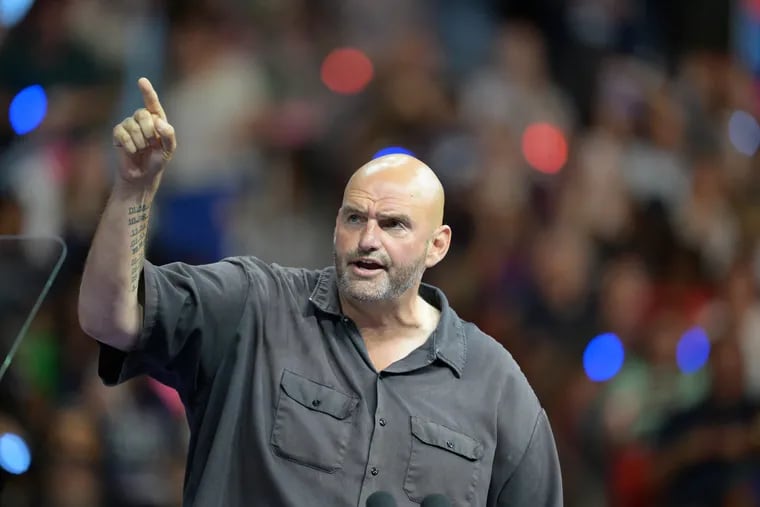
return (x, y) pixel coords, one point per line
(367, 266)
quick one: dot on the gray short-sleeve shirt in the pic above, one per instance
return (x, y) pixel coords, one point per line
(286, 409)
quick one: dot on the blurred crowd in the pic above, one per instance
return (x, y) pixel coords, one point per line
(651, 228)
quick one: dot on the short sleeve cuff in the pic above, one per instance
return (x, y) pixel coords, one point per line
(116, 366)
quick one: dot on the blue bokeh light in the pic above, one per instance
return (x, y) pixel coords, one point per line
(392, 150)
(28, 109)
(13, 11)
(693, 350)
(603, 357)
(14, 454)
(744, 132)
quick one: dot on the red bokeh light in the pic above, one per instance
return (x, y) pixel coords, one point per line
(753, 8)
(346, 71)
(544, 147)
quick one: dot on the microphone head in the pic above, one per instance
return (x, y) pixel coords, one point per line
(435, 501)
(380, 499)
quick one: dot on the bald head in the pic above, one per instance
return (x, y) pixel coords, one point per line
(403, 178)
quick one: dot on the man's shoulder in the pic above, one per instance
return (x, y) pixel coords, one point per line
(475, 347)
(484, 348)
(251, 262)
(291, 277)
(488, 357)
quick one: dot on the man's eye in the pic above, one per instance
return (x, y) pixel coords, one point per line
(394, 224)
(353, 219)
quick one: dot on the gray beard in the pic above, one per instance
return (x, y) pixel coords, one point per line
(395, 282)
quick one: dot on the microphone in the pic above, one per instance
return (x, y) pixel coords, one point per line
(381, 499)
(435, 501)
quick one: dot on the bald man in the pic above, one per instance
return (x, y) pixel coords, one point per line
(317, 387)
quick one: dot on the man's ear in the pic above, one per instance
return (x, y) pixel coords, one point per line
(439, 246)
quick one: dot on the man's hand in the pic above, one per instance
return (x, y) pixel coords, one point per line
(146, 140)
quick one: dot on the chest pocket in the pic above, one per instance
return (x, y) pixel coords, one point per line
(312, 423)
(442, 461)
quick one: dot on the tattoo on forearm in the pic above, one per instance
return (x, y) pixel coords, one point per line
(137, 219)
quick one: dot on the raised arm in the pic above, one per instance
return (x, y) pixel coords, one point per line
(109, 310)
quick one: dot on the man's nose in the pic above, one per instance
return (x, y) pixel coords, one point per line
(368, 241)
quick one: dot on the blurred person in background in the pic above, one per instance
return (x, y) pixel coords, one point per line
(72, 473)
(736, 306)
(42, 51)
(654, 164)
(79, 87)
(143, 434)
(710, 453)
(515, 88)
(705, 219)
(217, 77)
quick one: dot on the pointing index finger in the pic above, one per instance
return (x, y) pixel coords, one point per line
(150, 98)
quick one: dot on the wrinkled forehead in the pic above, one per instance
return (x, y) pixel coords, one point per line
(384, 197)
(379, 194)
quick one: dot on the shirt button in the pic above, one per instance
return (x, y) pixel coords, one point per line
(374, 471)
(382, 422)
(450, 444)
(315, 403)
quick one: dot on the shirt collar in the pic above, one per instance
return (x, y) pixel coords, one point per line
(448, 340)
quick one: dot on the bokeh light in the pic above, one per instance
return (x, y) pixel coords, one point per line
(603, 357)
(346, 71)
(14, 454)
(392, 150)
(13, 11)
(693, 350)
(744, 132)
(544, 147)
(752, 7)
(28, 109)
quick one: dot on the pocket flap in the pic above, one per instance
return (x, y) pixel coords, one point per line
(316, 396)
(440, 436)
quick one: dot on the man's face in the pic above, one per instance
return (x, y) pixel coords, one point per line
(381, 242)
